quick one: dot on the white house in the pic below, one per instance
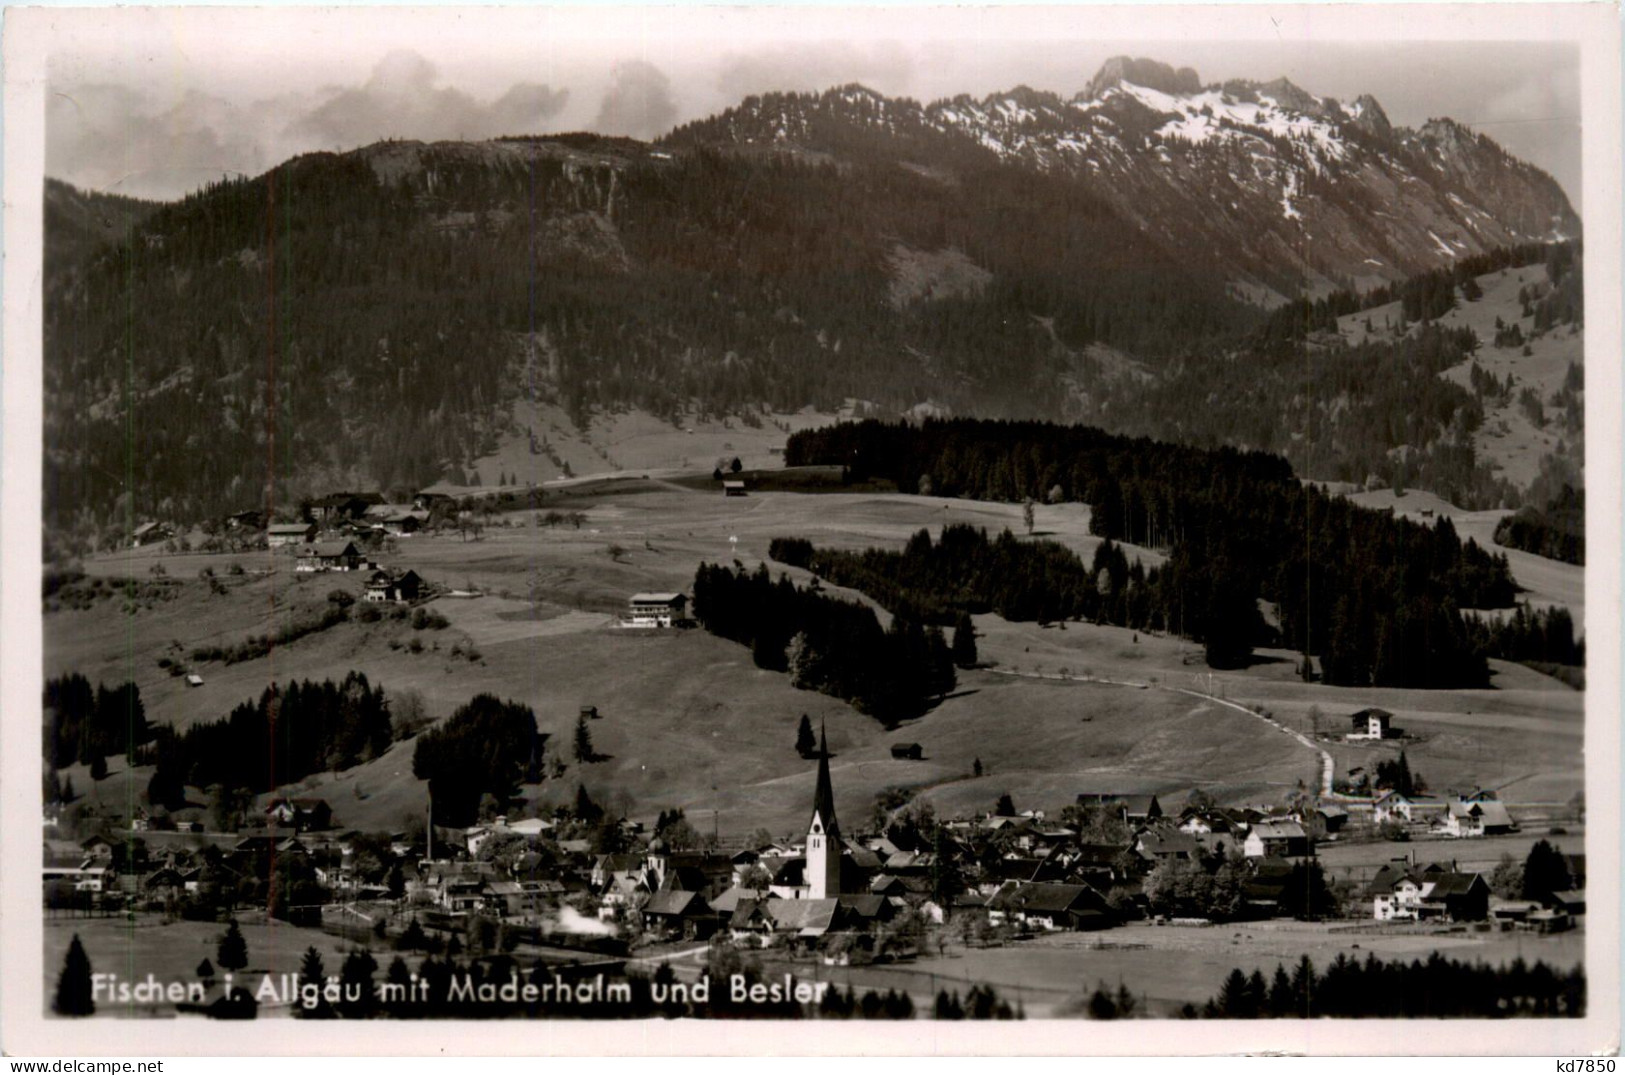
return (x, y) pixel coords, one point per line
(1488, 818)
(656, 609)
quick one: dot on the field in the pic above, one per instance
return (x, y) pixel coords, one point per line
(697, 725)
(1169, 966)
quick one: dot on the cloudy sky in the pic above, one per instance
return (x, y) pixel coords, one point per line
(155, 102)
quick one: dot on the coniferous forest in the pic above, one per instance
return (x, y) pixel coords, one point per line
(1378, 599)
(286, 735)
(827, 644)
(1438, 988)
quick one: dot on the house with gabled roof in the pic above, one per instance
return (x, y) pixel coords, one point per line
(280, 534)
(679, 913)
(329, 556)
(1277, 838)
(1478, 818)
(1048, 906)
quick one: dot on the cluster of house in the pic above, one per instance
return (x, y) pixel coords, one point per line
(148, 870)
(1403, 891)
(1478, 813)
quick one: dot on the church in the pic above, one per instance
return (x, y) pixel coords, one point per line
(826, 869)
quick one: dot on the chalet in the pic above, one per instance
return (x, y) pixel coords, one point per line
(253, 519)
(678, 913)
(907, 751)
(1322, 821)
(397, 520)
(656, 609)
(1276, 839)
(1395, 894)
(329, 556)
(1166, 844)
(1372, 724)
(1478, 819)
(337, 507)
(1045, 906)
(97, 851)
(390, 587)
(279, 534)
(302, 815)
(1455, 897)
(1393, 806)
(194, 680)
(1133, 809)
(1570, 901)
(733, 487)
(695, 871)
(150, 534)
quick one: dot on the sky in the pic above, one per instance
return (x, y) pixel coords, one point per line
(155, 102)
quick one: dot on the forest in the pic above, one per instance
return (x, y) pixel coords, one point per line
(1237, 527)
(1556, 530)
(487, 747)
(86, 726)
(827, 644)
(289, 733)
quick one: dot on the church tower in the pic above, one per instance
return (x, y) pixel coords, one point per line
(823, 871)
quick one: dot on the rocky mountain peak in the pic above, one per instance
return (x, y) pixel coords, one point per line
(1369, 117)
(1152, 74)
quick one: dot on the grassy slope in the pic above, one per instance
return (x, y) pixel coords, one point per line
(685, 713)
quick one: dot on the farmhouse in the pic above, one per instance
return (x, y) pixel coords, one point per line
(1045, 906)
(329, 556)
(1393, 806)
(279, 534)
(336, 507)
(656, 609)
(733, 487)
(303, 815)
(1478, 819)
(1373, 724)
(676, 913)
(907, 751)
(387, 586)
(1276, 839)
(150, 534)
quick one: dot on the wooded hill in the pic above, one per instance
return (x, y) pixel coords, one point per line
(1376, 597)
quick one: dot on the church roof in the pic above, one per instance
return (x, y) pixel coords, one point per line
(824, 796)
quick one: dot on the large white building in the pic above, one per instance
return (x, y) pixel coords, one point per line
(656, 609)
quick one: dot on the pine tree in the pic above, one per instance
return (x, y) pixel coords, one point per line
(1005, 806)
(1280, 995)
(583, 741)
(74, 993)
(806, 744)
(232, 952)
(98, 767)
(976, 768)
(1234, 997)
(205, 969)
(964, 644)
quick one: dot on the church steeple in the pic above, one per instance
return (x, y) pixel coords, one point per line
(824, 796)
(823, 870)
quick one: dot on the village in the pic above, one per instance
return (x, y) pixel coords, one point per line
(892, 898)
(582, 889)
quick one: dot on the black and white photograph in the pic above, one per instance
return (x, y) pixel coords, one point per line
(1067, 522)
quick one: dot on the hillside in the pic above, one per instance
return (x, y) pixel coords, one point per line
(408, 312)
(701, 727)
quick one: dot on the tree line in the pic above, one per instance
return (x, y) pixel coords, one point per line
(1438, 988)
(827, 644)
(1377, 597)
(288, 733)
(85, 726)
(1556, 530)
